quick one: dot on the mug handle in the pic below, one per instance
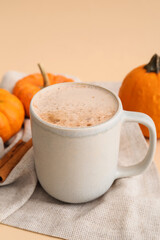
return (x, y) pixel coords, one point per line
(139, 167)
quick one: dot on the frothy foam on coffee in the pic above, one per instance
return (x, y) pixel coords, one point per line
(75, 105)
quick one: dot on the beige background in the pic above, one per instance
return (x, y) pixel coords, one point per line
(96, 40)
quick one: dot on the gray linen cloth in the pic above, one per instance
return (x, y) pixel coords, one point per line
(130, 209)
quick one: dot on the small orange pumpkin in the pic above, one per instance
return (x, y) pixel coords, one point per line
(27, 87)
(11, 114)
(140, 91)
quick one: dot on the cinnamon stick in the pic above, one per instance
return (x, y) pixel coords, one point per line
(12, 151)
(13, 157)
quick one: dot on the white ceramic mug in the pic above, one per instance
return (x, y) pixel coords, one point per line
(77, 165)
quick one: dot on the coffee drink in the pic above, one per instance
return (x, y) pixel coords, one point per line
(76, 105)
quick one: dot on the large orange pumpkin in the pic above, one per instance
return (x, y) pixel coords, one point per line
(140, 91)
(11, 114)
(27, 87)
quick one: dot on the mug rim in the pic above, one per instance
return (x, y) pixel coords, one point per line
(77, 131)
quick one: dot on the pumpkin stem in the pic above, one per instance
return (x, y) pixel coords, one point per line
(154, 64)
(45, 77)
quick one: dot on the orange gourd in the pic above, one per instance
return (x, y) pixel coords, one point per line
(140, 91)
(27, 87)
(11, 114)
